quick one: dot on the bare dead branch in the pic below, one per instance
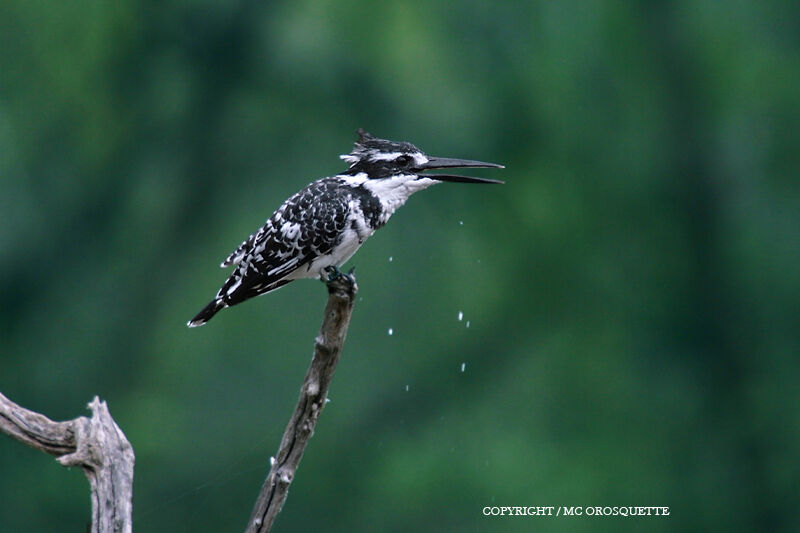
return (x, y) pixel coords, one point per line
(97, 445)
(342, 290)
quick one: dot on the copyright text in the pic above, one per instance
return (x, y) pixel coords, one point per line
(549, 510)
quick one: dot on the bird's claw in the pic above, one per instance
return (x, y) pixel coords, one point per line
(332, 275)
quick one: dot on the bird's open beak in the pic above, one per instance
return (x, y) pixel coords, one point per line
(445, 162)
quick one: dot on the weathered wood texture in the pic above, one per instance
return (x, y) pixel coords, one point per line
(342, 290)
(96, 444)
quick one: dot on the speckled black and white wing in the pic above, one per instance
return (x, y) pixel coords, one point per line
(238, 254)
(303, 236)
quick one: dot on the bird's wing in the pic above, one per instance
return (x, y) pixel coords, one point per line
(307, 225)
(238, 254)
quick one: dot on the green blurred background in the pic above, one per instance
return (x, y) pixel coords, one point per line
(630, 298)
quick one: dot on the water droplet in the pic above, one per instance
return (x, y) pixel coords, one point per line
(406, 388)
(390, 258)
(463, 366)
(391, 331)
(460, 316)
(460, 222)
(467, 323)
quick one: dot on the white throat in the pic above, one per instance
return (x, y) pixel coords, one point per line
(393, 192)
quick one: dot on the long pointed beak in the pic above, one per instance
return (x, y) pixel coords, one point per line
(445, 162)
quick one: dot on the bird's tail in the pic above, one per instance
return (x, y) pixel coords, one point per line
(208, 311)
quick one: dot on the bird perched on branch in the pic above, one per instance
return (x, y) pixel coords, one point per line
(324, 224)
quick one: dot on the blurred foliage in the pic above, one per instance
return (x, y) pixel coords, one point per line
(630, 298)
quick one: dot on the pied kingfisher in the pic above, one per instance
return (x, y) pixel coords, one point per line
(324, 224)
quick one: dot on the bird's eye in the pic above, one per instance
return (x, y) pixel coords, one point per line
(403, 160)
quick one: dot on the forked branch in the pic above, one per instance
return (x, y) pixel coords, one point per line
(95, 444)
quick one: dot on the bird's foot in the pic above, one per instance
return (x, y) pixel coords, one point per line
(331, 273)
(336, 279)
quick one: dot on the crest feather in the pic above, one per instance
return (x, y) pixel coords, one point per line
(369, 147)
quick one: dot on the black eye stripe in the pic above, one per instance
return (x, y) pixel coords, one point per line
(403, 160)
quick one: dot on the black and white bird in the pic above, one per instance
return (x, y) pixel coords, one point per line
(324, 224)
